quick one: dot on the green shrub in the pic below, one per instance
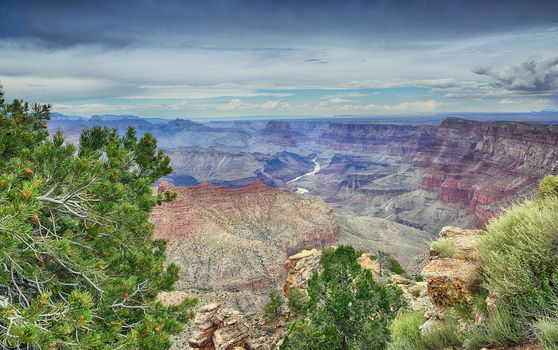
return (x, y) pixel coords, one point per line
(502, 329)
(81, 268)
(519, 258)
(444, 247)
(546, 330)
(297, 300)
(272, 309)
(405, 331)
(549, 185)
(388, 262)
(446, 335)
(346, 308)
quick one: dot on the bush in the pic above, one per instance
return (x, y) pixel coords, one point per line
(501, 329)
(519, 258)
(388, 262)
(445, 335)
(546, 330)
(297, 300)
(272, 309)
(346, 308)
(444, 247)
(549, 185)
(405, 331)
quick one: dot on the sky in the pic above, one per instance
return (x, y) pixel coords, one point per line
(232, 58)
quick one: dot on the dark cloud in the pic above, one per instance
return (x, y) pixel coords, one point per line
(532, 76)
(119, 23)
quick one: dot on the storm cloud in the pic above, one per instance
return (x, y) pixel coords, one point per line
(118, 23)
(254, 57)
(532, 76)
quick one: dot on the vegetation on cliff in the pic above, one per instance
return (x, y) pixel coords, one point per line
(80, 268)
(346, 308)
(519, 265)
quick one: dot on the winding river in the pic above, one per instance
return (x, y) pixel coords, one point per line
(316, 169)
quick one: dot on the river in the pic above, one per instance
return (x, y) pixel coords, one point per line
(316, 169)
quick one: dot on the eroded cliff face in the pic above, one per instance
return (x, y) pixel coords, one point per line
(391, 139)
(486, 165)
(234, 241)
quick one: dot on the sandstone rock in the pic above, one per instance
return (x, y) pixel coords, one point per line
(164, 186)
(300, 267)
(465, 242)
(366, 263)
(450, 281)
(399, 280)
(453, 280)
(218, 328)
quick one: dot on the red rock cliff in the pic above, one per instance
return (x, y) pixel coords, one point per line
(483, 165)
(237, 239)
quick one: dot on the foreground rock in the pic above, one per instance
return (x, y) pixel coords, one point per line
(218, 328)
(454, 279)
(300, 267)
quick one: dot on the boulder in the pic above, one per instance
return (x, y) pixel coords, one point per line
(451, 281)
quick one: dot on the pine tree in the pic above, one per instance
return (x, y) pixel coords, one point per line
(346, 308)
(80, 267)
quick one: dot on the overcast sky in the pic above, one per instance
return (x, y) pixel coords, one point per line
(218, 58)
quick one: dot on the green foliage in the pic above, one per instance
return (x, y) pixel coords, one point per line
(388, 262)
(519, 256)
(405, 331)
(169, 196)
(447, 335)
(272, 309)
(297, 300)
(346, 309)
(546, 331)
(502, 329)
(81, 269)
(444, 247)
(549, 185)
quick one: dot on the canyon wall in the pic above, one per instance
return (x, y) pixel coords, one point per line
(234, 241)
(398, 139)
(486, 165)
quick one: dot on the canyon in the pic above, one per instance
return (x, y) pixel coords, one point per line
(252, 193)
(419, 173)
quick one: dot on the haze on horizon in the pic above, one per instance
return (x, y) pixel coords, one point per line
(226, 58)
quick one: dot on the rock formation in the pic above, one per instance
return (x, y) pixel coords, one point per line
(483, 165)
(234, 241)
(218, 328)
(300, 267)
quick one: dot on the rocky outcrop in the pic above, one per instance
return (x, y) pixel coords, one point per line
(484, 165)
(236, 240)
(219, 328)
(300, 267)
(454, 279)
